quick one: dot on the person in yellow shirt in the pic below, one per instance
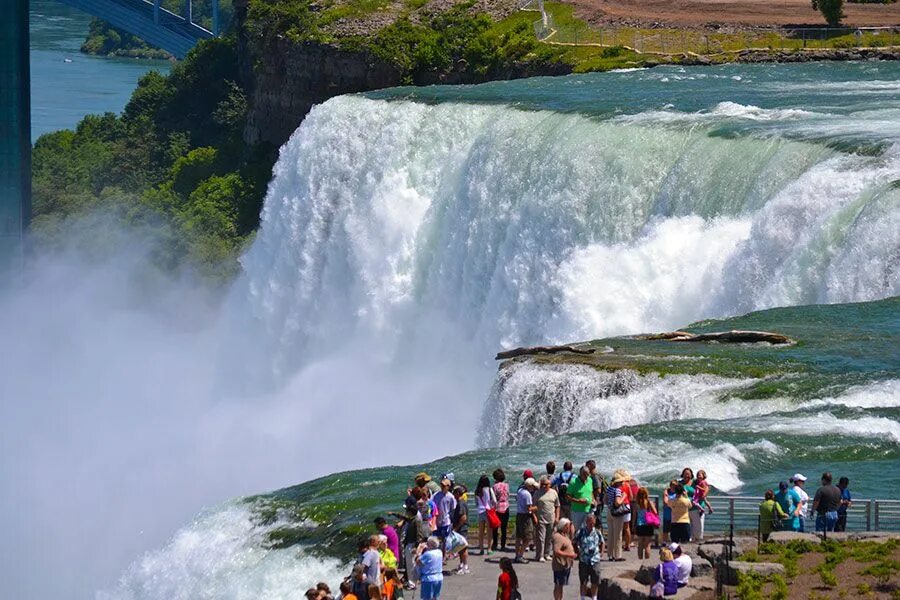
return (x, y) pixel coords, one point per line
(681, 520)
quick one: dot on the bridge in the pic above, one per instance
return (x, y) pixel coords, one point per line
(147, 19)
(150, 21)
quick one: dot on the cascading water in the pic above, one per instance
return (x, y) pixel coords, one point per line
(408, 234)
(521, 226)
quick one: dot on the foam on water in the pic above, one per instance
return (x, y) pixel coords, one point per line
(221, 556)
(515, 227)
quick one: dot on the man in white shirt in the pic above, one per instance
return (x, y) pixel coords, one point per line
(683, 563)
(799, 482)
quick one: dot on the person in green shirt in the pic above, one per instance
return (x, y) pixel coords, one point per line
(580, 494)
(770, 515)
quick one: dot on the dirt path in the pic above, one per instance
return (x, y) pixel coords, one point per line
(698, 13)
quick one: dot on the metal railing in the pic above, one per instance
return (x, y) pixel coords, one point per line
(741, 513)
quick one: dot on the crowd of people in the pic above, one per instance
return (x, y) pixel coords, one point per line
(788, 509)
(559, 518)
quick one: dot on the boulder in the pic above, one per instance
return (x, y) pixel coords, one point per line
(764, 569)
(783, 537)
(622, 588)
(872, 536)
(533, 350)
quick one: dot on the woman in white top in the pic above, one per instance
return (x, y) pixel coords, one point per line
(484, 500)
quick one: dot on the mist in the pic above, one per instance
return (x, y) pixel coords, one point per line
(120, 421)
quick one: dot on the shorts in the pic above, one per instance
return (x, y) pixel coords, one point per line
(561, 577)
(482, 517)
(644, 530)
(588, 573)
(523, 527)
(430, 590)
(681, 532)
(443, 531)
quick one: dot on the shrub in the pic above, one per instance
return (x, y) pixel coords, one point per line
(832, 10)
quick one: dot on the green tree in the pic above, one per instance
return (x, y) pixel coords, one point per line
(832, 10)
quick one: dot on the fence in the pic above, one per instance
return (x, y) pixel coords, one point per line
(741, 513)
(679, 41)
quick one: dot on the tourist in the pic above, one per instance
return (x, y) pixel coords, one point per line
(666, 574)
(785, 500)
(525, 517)
(801, 500)
(633, 489)
(826, 503)
(551, 470)
(415, 533)
(393, 587)
(700, 506)
(771, 515)
(501, 491)
(616, 502)
(547, 502)
(324, 591)
(311, 594)
(561, 485)
(580, 494)
(370, 559)
(683, 563)
(359, 585)
(629, 491)
(430, 562)
(346, 590)
(485, 500)
(680, 531)
(599, 486)
(388, 558)
(393, 540)
(563, 557)
(589, 545)
(508, 582)
(424, 481)
(644, 524)
(375, 593)
(446, 503)
(458, 543)
(846, 503)
(669, 493)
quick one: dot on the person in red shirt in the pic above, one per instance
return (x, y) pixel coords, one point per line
(508, 583)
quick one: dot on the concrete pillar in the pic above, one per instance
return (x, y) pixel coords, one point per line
(15, 136)
(188, 11)
(215, 17)
(156, 11)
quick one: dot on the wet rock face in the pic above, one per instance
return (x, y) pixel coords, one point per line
(289, 79)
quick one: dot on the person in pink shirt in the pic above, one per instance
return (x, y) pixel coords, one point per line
(501, 491)
(393, 540)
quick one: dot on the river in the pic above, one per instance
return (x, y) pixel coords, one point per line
(66, 84)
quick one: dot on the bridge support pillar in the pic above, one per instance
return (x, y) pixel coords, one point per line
(215, 17)
(188, 11)
(156, 11)
(15, 136)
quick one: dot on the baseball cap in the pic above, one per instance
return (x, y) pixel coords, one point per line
(673, 546)
(530, 482)
(528, 473)
(798, 477)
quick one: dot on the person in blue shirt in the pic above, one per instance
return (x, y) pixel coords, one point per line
(846, 503)
(786, 501)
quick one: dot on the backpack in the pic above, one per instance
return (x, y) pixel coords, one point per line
(562, 486)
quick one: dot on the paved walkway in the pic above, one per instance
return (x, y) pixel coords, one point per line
(535, 578)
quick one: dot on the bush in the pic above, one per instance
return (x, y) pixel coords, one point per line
(832, 10)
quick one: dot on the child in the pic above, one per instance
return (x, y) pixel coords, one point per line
(393, 587)
(508, 582)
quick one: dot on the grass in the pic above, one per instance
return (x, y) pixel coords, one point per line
(566, 28)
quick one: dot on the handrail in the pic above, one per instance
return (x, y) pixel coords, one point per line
(742, 512)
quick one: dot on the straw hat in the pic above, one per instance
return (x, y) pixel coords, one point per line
(423, 475)
(619, 477)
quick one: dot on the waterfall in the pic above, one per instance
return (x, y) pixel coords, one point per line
(404, 222)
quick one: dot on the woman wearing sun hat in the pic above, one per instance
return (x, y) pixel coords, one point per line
(616, 501)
